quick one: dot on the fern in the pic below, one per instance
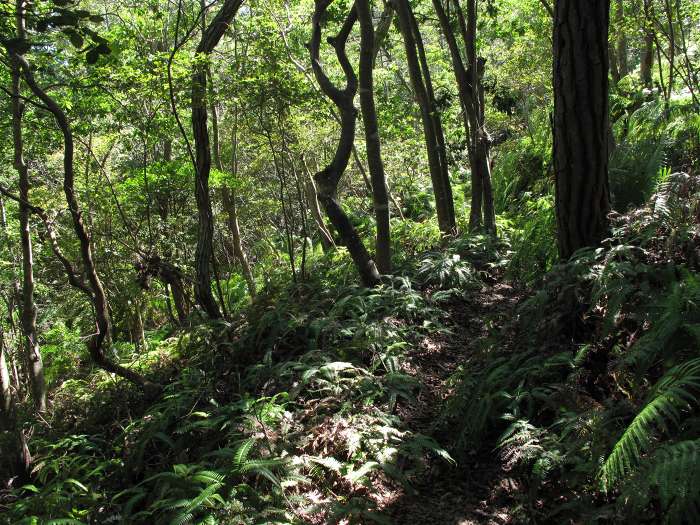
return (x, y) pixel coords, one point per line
(672, 475)
(674, 393)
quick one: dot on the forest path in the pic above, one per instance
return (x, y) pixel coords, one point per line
(478, 490)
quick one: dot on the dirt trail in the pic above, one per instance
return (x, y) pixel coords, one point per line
(477, 491)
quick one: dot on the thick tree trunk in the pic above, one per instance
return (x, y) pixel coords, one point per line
(581, 123)
(438, 170)
(35, 365)
(205, 233)
(369, 118)
(327, 180)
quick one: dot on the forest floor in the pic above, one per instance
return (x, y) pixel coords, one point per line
(479, 489)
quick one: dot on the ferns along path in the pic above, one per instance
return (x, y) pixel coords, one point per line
(347, 262)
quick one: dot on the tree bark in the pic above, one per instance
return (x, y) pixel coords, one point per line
(327, 180)
(581, 123)
(647, 62)
(228, 200)
(35, 365)
(380, 192)
(621, 44)
(482, 211)
(205, 233)
(100, 303)
(438, 170)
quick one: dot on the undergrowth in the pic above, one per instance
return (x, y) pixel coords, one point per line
(594, 403)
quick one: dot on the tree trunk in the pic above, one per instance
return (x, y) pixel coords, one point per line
(621, 44)
(482, 210)
(647, 62)
(369, 118)
(327, 180)
(205, 233)
(227, 199)
(5, 386)
(581, 123)
(96, 290)
(17, 457)
(327, 241)
(35, 365)
(438, 170)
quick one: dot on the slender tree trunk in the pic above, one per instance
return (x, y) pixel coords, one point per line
(35, 365)
(327, 241)
(205, 233)
(647, 63)
(438, 171)
(369, 118)
(581, 123)
(327, 180)
(671, 47)
(482, 211)
(5, 385)
(227, 199)
(621, 44)
(96, 291)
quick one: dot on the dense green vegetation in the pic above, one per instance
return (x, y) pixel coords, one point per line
(335, 262)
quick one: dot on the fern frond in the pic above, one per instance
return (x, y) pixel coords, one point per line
(672, 475)
(672, 394)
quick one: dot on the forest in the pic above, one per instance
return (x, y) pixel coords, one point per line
(349, 262)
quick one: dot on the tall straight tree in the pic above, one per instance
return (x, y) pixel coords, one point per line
(203, 254)
(380, 192)
(470, 88)
(35, 365)
(581, 122)
(432, 127)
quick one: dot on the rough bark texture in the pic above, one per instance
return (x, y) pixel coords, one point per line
(380, 192)
(438, 170)
(35, 365)
(327, 179)
(581, 123)
(205, 234)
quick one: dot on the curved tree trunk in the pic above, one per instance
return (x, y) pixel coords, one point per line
(327, 180)
(96, 291)
(581, 123)
(205, 234)
(35, 365)
(369, 117)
